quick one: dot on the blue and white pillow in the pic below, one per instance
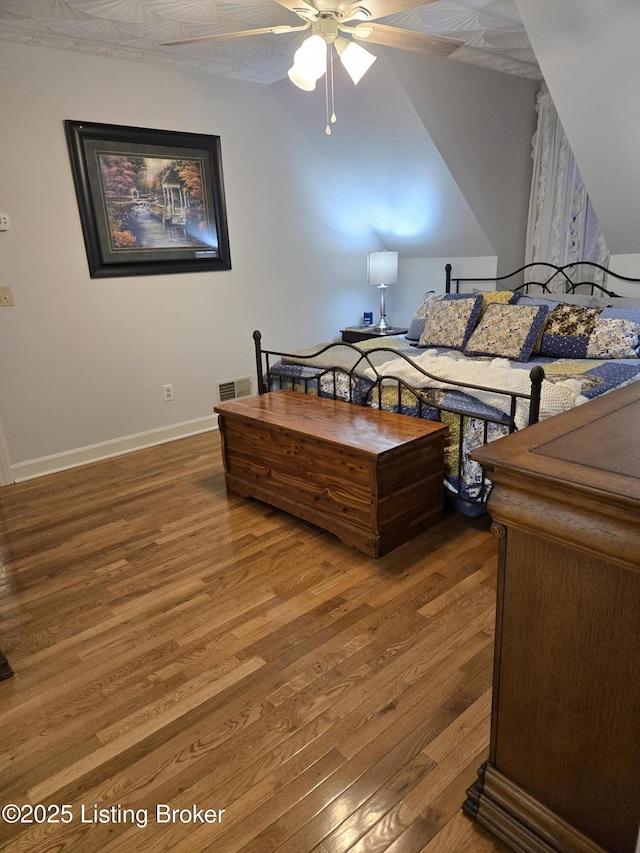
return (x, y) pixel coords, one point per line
(616, 334)
(450, 321)
(567, 331)
(417, 324)
(507, 331)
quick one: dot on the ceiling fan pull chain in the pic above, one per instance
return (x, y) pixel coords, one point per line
(333, 99)
(327, 129)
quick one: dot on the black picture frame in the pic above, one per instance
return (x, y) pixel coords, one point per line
(151, 202)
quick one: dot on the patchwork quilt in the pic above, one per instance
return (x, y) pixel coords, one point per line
(365, 375)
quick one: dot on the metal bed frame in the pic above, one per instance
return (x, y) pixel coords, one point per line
(422, 399)
(409, 400)
(267, 378)
(552, 271)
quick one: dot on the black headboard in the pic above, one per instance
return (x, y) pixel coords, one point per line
(546, 273)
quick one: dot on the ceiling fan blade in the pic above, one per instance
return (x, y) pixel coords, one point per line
(300, 7)
(382, 8)
(406, 39)
(240, 34)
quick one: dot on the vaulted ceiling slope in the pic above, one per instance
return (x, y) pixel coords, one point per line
(588, 53)
(491, 32)
(586, 50)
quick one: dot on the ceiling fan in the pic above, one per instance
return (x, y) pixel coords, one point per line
(328, 20)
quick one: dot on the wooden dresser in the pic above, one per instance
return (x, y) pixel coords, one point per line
(564, 766)
(373, 478)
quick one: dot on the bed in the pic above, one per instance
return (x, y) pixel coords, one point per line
(486, 357)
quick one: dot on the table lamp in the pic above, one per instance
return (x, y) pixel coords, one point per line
(382, 271)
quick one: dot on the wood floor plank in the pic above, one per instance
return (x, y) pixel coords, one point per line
(175, 645)
(404, 744)
(461, 835)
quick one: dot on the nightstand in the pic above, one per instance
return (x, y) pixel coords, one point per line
(354, 334)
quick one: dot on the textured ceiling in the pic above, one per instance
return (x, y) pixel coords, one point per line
(491, 30)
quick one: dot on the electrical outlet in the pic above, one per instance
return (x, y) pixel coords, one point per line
(4, 222)
(168, 392)
(6, 297)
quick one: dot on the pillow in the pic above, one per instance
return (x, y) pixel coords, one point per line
(417, 324)
(550, 304)
(588, 300)
(567, 330)
(491, 296)
(507, 331)
(630, 312)
(450, 321)
(548, 301)
(623, 301)
(613, 338)
(584, 299)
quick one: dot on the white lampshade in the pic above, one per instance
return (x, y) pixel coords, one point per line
(303, 81)
(382, 267)
(311, 57)
(355, 59)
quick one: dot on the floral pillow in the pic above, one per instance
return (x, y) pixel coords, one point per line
(613, 338)
(550, 304)
(491, 296)
(417, 324)
(622, 340)
(507, 331)
(567, 331)
(450, 321)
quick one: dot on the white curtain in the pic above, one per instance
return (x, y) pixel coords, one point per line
(562, 226)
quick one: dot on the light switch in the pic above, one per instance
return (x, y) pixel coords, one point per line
(6, 297)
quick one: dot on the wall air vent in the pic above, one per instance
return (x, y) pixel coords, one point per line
(234, 388)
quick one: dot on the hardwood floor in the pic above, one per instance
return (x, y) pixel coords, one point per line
(175, 646)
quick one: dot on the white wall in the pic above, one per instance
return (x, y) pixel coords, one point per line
(482, 123)
(588, 53)
(627, 265)
(390, 171)
(418, 275)
(84, 360)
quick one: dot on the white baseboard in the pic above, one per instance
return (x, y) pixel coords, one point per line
(106, 449)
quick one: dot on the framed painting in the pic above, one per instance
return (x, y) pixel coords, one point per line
(151, 201)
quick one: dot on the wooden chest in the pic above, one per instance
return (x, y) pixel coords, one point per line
(373, 478)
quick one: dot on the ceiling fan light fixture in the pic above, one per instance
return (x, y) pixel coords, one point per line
(355, 59)
(301, 79)
(311, 57)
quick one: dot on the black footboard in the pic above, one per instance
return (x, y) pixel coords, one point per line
(299, 373)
